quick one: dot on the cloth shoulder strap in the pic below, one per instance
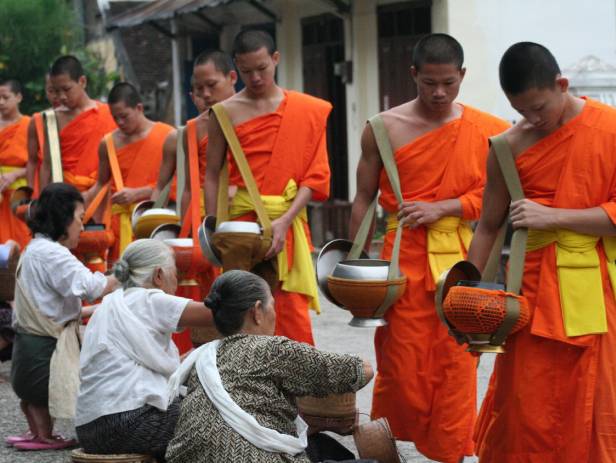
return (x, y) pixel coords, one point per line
(389, 164)
(53, 140)
(244, 168)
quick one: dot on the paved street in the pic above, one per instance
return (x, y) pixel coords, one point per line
(332, 333)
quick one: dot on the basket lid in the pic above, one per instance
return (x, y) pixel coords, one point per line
(463, 270)
(331, 254)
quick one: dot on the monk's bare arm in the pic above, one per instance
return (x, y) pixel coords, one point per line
(167, 166)
(368, 171)
(215, 154)
(592, 221)
(33, 148)
(496, 201)
(103, 174)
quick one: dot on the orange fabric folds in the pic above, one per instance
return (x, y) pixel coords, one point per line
(289, 143)
(79, 141)
(426, 383)
(13, 154)
(551, 397)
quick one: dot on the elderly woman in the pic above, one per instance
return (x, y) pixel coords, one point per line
(51, 283)
(128, 356)
(241, 390)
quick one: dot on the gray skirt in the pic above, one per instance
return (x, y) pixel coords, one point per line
(146, 430)
(30, 367)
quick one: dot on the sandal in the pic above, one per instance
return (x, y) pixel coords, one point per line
(38, 444)
(26, 436)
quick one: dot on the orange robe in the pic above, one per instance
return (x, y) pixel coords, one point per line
(79, 142)
(426, 382)
(552, 399)
(288, 144)
(139, 165)
(13, 153)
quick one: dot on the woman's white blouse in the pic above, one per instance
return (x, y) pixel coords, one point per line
(57, 281)
(112, 381)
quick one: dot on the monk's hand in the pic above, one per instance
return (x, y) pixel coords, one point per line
(529, 214)
(6, 180)
(280, 226)
(417, 213)
(125, 196)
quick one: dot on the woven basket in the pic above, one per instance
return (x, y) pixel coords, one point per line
(79, 456)
(473, 310)
(8, 268)
(363, 297)
(335, 412)
(374, 440)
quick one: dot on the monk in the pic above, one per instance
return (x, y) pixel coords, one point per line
(36, 138)
(81, 124)
(213, 80)
(426, 382)
(13, 158)
(138, 146)
(552, 394)
(282, 134)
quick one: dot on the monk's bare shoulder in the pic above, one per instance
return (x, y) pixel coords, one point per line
(521, 136)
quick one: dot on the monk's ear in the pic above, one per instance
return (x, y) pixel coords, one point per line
(413, 72)
(19, 97)
(276, 57)
(233, 77)
(462, 73)
(139, 107)
(83, 81)
(562, 83)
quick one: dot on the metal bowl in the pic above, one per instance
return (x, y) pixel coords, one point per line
(179, 242)
(206, 230)
(331, 254)
(166, 232)
(239, 227)
(362, 269)
(138, 211)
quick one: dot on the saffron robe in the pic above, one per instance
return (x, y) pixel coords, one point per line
(275, 156)
(139, 165)
(13, 154)
(551, 397)
(79, 142)
(426, 382)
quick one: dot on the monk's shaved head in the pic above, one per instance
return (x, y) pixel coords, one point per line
(527, 65)
(438, 49)
(252, 40)
(12, 84)
(222, 61)
(68, 65)
(124, 92)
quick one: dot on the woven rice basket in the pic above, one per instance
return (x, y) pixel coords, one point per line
(79, 456)
(374, 440)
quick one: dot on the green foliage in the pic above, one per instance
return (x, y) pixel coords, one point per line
(32, 34)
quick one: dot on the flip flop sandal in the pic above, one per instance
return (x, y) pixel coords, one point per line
(12, 440)
(36, 444)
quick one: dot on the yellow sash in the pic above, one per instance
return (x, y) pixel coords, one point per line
(579, 278)
(443, 239)
(300, 277)
(126, 229)
(17, 183)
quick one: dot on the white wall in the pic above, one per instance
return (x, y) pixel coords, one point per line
(571, 29)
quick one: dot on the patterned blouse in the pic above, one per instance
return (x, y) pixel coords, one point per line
(263, 375)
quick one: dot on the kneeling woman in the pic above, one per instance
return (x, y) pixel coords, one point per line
(51, 282)
(128, 356)
(241, 390)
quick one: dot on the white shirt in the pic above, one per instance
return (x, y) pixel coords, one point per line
(112, 380)
(57, 281)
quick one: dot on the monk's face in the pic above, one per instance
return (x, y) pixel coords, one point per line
(438, 85)
(211, 86)
(257, 70)
(9, 101)
(127, 118)
(70, 92)
(542, 107)
(51, 94)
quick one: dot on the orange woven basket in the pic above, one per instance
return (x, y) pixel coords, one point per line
(474, 310)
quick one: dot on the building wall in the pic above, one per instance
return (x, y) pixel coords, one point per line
(486, 28)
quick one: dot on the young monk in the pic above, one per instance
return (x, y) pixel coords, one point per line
(36, 137)
(213, 80)
(138, 145)
(13, 158)
(82, 122)
(551, 395)
(426, 384)
(282, 134)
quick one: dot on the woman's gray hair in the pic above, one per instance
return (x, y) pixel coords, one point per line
(139, 261)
